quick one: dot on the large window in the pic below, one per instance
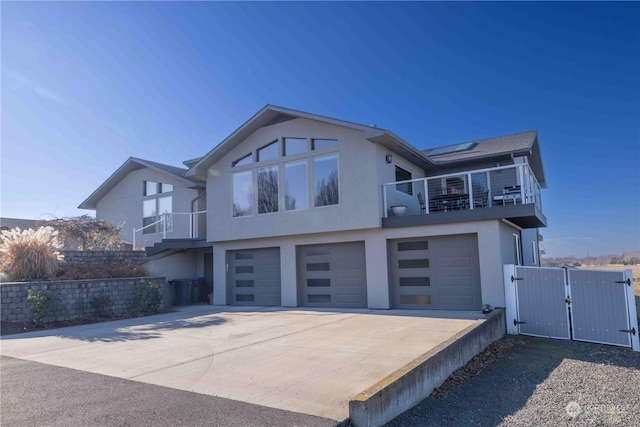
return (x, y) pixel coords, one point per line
(268, 190)
(242, 194)
(149, 215)
(404, 175)
(301, 183)
(295, 186)
(326, 186)
(155, 208)
(164, 211)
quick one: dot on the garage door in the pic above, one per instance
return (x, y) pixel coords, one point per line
(254, 277)
(435, 273)
(332, 275)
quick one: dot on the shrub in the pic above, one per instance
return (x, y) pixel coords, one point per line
(30, 254)
(107, 271)
(147, 299)
(89, 233)
(45, 306)
(102, 305)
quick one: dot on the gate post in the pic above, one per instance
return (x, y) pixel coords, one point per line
(511, 308)
(633, 314)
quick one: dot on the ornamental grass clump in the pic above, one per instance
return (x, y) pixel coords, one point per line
(30, 254)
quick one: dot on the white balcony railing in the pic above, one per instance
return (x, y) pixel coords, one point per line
(173, 225)
(476, 189)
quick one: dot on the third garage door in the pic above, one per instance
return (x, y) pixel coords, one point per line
(435, 273)
(332, 275)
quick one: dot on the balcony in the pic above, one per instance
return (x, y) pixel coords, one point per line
(505, 192)
(178, 230)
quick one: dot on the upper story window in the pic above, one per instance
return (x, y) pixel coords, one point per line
(243, 193)
(156, 207)
(268, 152)
(325, 171)
(150, 188)
(295, 186)
(319, 144)
(246, 160)
(268, 190)
(404, 175)
(295, 146)
(283, 187)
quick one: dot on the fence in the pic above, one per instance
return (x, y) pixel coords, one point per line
(583, 305)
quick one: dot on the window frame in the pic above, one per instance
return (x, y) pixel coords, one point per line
(407, 185)
(238, 162)
(300, 153)
(313, 181)
(266, 146)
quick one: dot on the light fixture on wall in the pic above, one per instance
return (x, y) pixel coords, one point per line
(389, 158)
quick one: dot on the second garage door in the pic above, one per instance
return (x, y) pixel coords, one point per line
(435, 273)
(332, 275)
(254, 277)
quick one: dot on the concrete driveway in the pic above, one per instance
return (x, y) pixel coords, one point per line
(302, 360)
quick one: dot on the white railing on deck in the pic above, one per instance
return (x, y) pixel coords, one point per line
(502, 185)
(166, 221)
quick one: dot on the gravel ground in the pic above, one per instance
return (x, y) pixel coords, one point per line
(525, 381)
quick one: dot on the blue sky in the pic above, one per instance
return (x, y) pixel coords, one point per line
(86, 85)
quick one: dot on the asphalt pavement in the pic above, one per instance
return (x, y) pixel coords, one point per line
(35, 394)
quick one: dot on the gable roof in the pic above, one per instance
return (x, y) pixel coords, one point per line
(271, 114)
(517, 144)
(133, 164)
(500, 145)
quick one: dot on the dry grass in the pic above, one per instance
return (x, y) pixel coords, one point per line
(30, 254)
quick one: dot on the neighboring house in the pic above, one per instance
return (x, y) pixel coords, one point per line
(140, 192)
(153, 202)
(305, 210)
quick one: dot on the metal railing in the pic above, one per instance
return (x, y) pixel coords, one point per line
(166, 222)
(475, 189)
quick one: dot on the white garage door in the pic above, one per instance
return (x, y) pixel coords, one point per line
(435, 273)
(332, 275)
(254, 277)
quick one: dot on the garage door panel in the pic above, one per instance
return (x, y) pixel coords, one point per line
(347, 283)
(453, 242)
(454, 301)
(255, 277)
(455, 262)
(450, 279)
(455, 282)
(332, 275)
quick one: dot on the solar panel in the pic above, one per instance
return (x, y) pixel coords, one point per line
(452, 148)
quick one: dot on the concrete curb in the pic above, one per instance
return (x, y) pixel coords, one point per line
(415, 381)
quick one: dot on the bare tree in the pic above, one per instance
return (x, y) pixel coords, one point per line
(268, 191)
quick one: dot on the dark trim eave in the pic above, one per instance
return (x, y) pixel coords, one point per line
(524, 216)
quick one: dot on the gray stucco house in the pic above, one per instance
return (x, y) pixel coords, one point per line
(296, 209)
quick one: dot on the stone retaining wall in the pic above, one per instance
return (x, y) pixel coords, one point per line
(73, 258)
(71, 298)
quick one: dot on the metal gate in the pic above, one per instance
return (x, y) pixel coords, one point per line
(584, 305)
